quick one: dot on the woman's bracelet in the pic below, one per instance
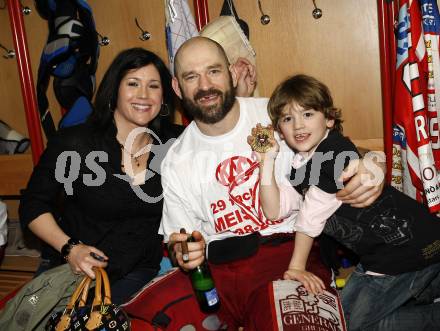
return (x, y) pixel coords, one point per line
(67, 247)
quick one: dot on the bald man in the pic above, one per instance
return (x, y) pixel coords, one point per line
(210, 181)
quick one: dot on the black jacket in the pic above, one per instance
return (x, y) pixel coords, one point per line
(394, 235)
(107, 214)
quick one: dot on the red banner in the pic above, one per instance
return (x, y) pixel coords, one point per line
(416, 153)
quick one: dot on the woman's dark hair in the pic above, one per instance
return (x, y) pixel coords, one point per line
(107, 94)
(307, 92)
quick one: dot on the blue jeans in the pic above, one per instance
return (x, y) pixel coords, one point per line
(124, 288)
(402, 302)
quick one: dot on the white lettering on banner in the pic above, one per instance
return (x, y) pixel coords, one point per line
(420, 127)
(429, 174)
(418, 102)
(413, 73)
(428, 14)
(416, 158)
(433, 200)
(434, 133)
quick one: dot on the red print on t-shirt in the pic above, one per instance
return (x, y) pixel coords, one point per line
(233, 172)
(233, 169)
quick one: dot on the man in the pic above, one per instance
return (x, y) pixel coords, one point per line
(210, 188)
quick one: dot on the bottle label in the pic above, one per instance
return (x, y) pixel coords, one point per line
(211, 297)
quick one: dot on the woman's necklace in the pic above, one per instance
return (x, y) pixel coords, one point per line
(134, 156)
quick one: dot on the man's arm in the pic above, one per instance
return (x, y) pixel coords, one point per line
(178, 206)
(178, 214)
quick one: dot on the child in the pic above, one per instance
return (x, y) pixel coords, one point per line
(396, 238)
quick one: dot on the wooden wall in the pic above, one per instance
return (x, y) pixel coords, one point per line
(341, 49)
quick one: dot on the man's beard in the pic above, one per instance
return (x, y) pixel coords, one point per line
(214, 113)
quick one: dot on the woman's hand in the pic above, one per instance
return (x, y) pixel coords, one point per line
(196, 249)
(81, 260)
(364, 180)
(311, 282)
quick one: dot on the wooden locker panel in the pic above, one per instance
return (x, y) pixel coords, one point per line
(11, 106)
(341, 49)
(115, 19)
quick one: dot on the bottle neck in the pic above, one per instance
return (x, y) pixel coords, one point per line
(202, 268)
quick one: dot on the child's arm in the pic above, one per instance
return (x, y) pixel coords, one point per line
(297, 265)
(269, 191)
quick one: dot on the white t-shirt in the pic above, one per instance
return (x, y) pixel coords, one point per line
(210, 183)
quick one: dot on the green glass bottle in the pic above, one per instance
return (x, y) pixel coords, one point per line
(204, 287)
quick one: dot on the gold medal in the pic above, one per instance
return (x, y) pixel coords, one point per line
(261, 141)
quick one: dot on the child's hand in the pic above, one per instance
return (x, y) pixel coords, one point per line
(311, 282)
(263, 143)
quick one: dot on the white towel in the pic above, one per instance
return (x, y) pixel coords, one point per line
(180, 26)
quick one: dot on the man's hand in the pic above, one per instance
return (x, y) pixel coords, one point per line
(365, 180)
(196, 249)
(246, 77)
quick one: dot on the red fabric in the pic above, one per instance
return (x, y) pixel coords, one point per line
(8, 297)
(243, 285)
(416, 148)
(163, 291)
(139, 325)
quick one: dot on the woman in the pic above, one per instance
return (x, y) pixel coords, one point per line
(105, 219)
